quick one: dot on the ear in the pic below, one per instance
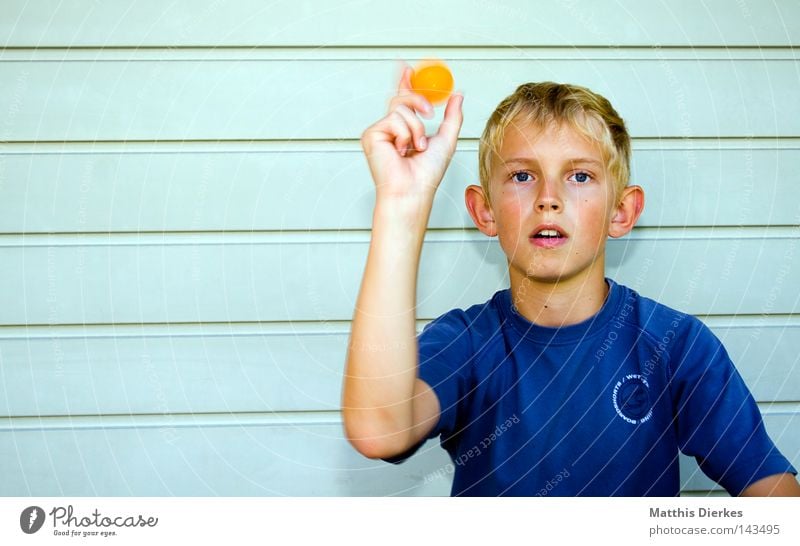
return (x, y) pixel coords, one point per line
(480, 210)
(630, 207)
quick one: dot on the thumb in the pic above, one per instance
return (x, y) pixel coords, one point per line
(453, 118)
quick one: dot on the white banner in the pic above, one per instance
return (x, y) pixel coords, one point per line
(387, 521)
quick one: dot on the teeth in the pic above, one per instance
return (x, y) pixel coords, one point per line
(548, 233)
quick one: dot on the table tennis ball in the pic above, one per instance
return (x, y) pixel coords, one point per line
(432, 80)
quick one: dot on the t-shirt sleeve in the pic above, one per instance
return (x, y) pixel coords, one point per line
(718, 421)
(444, 350)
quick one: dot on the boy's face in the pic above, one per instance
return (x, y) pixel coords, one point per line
(545, 182)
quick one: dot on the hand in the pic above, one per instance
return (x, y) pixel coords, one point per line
(403, 161)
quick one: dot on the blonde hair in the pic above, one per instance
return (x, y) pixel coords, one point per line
(546, 102)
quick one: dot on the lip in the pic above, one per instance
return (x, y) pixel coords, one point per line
(543, 242)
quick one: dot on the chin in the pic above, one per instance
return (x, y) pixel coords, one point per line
(548, 279)
(545, 275)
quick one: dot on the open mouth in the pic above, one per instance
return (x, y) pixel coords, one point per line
(549, 236)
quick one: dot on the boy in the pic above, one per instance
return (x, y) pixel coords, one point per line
(567, 383)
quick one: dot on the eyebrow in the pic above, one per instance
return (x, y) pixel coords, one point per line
(575, 160)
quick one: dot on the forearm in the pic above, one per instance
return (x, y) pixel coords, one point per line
(779, 485)
(381, 367)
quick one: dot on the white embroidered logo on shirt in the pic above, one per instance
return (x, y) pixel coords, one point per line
(631, 398)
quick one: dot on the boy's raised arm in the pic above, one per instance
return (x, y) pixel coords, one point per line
(385, 407)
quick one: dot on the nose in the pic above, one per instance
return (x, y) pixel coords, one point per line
(547, 199)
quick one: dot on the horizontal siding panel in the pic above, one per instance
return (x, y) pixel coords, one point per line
(147, 23)
(267, 369)
(155, 189)
(172, 374)
(296, 460)
(210, 54)
(767, 356)
(199, 279)
(337, 99)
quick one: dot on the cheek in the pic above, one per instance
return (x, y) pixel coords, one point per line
(509, 215)
(593, 219)
(509, 219)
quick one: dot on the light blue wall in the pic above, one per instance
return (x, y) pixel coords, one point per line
(185, 212)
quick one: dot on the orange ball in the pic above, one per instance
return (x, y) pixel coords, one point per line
(432, 80)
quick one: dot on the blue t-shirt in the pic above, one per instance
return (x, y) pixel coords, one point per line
(598, 408)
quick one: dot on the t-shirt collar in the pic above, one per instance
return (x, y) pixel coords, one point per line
(563, 334)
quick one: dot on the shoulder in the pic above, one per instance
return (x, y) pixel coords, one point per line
(658, 321)
(678, 336)
(684, 341)
(473, 325)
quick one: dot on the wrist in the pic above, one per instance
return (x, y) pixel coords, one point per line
(412, 210)
(400, 224)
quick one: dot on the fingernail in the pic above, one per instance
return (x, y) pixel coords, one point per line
(423, 142)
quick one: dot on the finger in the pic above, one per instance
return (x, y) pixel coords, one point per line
(391, 130)
(406, 94)
(453, 119)
(415, 125)
(404, 85)
(399, 132)
(414, 101)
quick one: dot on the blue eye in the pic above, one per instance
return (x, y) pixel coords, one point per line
(580, 177)
(521, 176)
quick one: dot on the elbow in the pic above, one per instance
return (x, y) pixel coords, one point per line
(374, 443)
(372, 449)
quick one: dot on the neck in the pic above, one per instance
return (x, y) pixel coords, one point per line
(560, 303)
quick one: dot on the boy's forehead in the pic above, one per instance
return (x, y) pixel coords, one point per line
(532, 140)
